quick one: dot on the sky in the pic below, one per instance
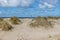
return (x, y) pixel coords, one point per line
(29, 8)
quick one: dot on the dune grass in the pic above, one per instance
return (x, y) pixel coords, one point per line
(15, 20)
(1, 19)
(41, 21)
(5, 26)
(55, 18)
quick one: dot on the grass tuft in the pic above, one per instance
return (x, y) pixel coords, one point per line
(1, 19)
(5, 26)
(15, 20)
(41, 21)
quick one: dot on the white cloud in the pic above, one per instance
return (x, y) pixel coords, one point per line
(47, 3)
(3, 2)
(51, 1)
(42, 6)
(13, 3)
(26, 2)
(6, 3)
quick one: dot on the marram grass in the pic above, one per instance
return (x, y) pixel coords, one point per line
(15, 20)
(1, 19)
(37, 22)
(41, 21)
(55, 18)
(5, 26)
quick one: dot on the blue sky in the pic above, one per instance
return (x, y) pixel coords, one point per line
(29, 8)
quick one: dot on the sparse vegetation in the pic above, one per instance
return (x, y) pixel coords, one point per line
(5, 26)
(41, 21)
(33, 24)
(36, 22)
(1, 19)
(15, 20)
(50, 36)
(50, 17)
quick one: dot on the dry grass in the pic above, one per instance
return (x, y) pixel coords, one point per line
(15, 20)
(35, 22)
(41, 21)
(55, 18)
(33, 25)
(5, 26)
(1, 19)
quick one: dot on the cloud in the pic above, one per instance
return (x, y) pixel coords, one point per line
(42, 6)
(8, 3)
(13, 3)
(51, 1)
(47, 3)
(26, 2)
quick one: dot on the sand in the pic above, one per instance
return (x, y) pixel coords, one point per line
(25, 32)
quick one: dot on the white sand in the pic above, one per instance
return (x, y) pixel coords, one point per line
(25, 32)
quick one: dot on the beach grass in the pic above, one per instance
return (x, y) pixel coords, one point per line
(15, 20)
(1, 19)
(5, 26)
(41, 21)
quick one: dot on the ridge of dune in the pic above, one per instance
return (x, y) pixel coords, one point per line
(24, 32)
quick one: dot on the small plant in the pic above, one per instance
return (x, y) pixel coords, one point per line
(15, 20)
(5, 26)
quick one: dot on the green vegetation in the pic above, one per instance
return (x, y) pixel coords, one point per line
(15, 20)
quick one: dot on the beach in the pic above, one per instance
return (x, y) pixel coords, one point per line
(25, 32)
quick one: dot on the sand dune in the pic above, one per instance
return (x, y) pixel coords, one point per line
(25, 32)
